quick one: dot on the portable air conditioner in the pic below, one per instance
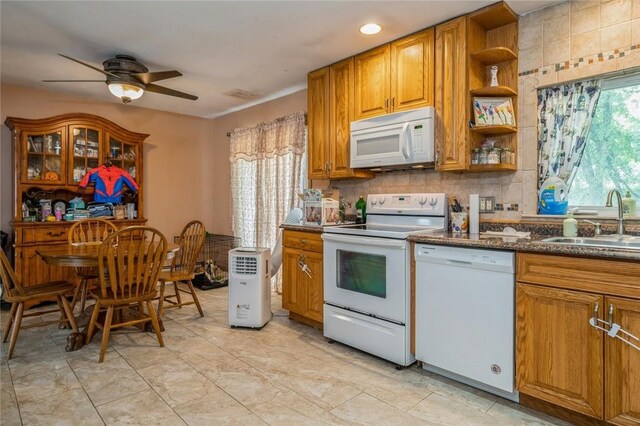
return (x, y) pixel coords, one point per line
(249, 287)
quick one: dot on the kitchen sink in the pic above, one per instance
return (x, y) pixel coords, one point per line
(606, 241)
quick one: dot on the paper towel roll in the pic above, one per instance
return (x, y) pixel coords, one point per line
(474, 214)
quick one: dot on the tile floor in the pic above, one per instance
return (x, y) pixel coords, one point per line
(208, 373)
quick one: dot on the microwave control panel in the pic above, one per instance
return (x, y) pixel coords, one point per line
(417, 138)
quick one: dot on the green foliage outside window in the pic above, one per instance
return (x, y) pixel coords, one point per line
(611, 157)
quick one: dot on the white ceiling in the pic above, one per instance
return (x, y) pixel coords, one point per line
(266, 47)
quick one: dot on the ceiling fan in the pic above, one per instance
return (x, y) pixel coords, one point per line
(128, 79)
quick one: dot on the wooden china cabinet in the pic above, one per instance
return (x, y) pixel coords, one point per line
(51, 157)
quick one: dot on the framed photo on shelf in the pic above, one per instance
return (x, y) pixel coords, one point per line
(493, 112)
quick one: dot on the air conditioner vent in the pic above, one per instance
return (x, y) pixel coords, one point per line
(242, 94)
(245, 265)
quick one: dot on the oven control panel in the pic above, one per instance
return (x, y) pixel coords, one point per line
(427, 204)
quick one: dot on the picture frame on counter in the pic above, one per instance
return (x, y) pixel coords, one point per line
(493, 112)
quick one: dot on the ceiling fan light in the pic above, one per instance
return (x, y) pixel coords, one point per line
(126, 92)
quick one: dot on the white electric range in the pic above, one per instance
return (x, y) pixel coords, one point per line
(366, 273)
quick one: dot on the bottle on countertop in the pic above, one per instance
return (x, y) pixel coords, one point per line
(341, 209)
(361, 210)
(570, 226)
(628, 205)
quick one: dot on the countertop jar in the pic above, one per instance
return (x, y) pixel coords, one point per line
(507, 156)
(484, 156)
(475, 156)
(493, 156)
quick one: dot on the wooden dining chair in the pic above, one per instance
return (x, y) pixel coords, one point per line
(182, 269)
(17, 295)
(129, 262)
(88, 232)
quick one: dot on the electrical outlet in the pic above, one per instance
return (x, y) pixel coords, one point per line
(487, 204)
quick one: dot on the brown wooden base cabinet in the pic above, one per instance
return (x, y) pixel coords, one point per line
(302, 294)
(562, 360)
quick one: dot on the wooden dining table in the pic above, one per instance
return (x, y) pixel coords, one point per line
(79, 256)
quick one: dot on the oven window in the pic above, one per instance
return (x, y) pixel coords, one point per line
(362, 272)
(380, 145)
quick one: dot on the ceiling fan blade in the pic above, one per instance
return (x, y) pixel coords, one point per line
(73, 81)
(150, 77)
(89, 66)
(165, 91)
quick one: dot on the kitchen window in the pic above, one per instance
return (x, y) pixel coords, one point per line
(589, 136)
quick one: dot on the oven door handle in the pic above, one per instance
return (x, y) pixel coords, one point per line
(364, 241)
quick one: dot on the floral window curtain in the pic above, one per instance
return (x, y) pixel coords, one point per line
(267, 168)
(565, 113)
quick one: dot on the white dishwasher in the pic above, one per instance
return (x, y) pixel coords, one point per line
(465, 301)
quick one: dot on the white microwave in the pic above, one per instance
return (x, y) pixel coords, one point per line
(393, 140)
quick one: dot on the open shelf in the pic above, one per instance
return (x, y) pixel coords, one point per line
(494, 91)
(494, 16)
(494, 130)
(494, 55)
(492, 167)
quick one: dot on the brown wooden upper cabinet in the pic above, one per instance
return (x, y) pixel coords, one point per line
(330, 113)
(465, 50)
(451, 95)
(395, 77)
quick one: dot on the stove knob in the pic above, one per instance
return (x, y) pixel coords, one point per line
(382, 201)
(422, 201)
(374, 201)
(433, 202)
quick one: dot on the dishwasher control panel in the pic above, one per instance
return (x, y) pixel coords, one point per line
(498, 260)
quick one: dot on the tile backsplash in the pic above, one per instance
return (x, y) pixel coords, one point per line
(567, 41)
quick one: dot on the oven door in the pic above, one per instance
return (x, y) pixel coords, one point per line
(367, 275)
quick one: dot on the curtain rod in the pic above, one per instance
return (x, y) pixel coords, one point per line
(281, 118)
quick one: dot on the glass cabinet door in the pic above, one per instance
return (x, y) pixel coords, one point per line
(44, 162)
(84, 152)
(123, 155)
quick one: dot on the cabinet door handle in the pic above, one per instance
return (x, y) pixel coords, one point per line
(386, 105)
(437, 157)
(610, 314)
(330, 166)
(304, 241)
(393, 103)
(55, 234)
(595, 322)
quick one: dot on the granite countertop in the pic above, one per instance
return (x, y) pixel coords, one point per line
(318, 229)
(533, 244)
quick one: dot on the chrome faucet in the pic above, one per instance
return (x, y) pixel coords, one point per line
(610, 204)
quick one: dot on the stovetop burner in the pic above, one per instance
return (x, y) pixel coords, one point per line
(399, 215)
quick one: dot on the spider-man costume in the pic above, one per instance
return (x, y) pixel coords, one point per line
(109, 183)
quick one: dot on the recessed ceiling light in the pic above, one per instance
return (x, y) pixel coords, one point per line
(369, 29)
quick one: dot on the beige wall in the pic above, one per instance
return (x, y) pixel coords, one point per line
(552, 40)
(246, 118)
(179, 156)
(569, 41)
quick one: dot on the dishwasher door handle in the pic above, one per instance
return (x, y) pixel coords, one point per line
(458, 262)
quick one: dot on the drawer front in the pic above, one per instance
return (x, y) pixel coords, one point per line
(302, 240)
(44, 234)
(614, 277)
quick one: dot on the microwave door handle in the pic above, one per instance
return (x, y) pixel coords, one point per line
(405, 140)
